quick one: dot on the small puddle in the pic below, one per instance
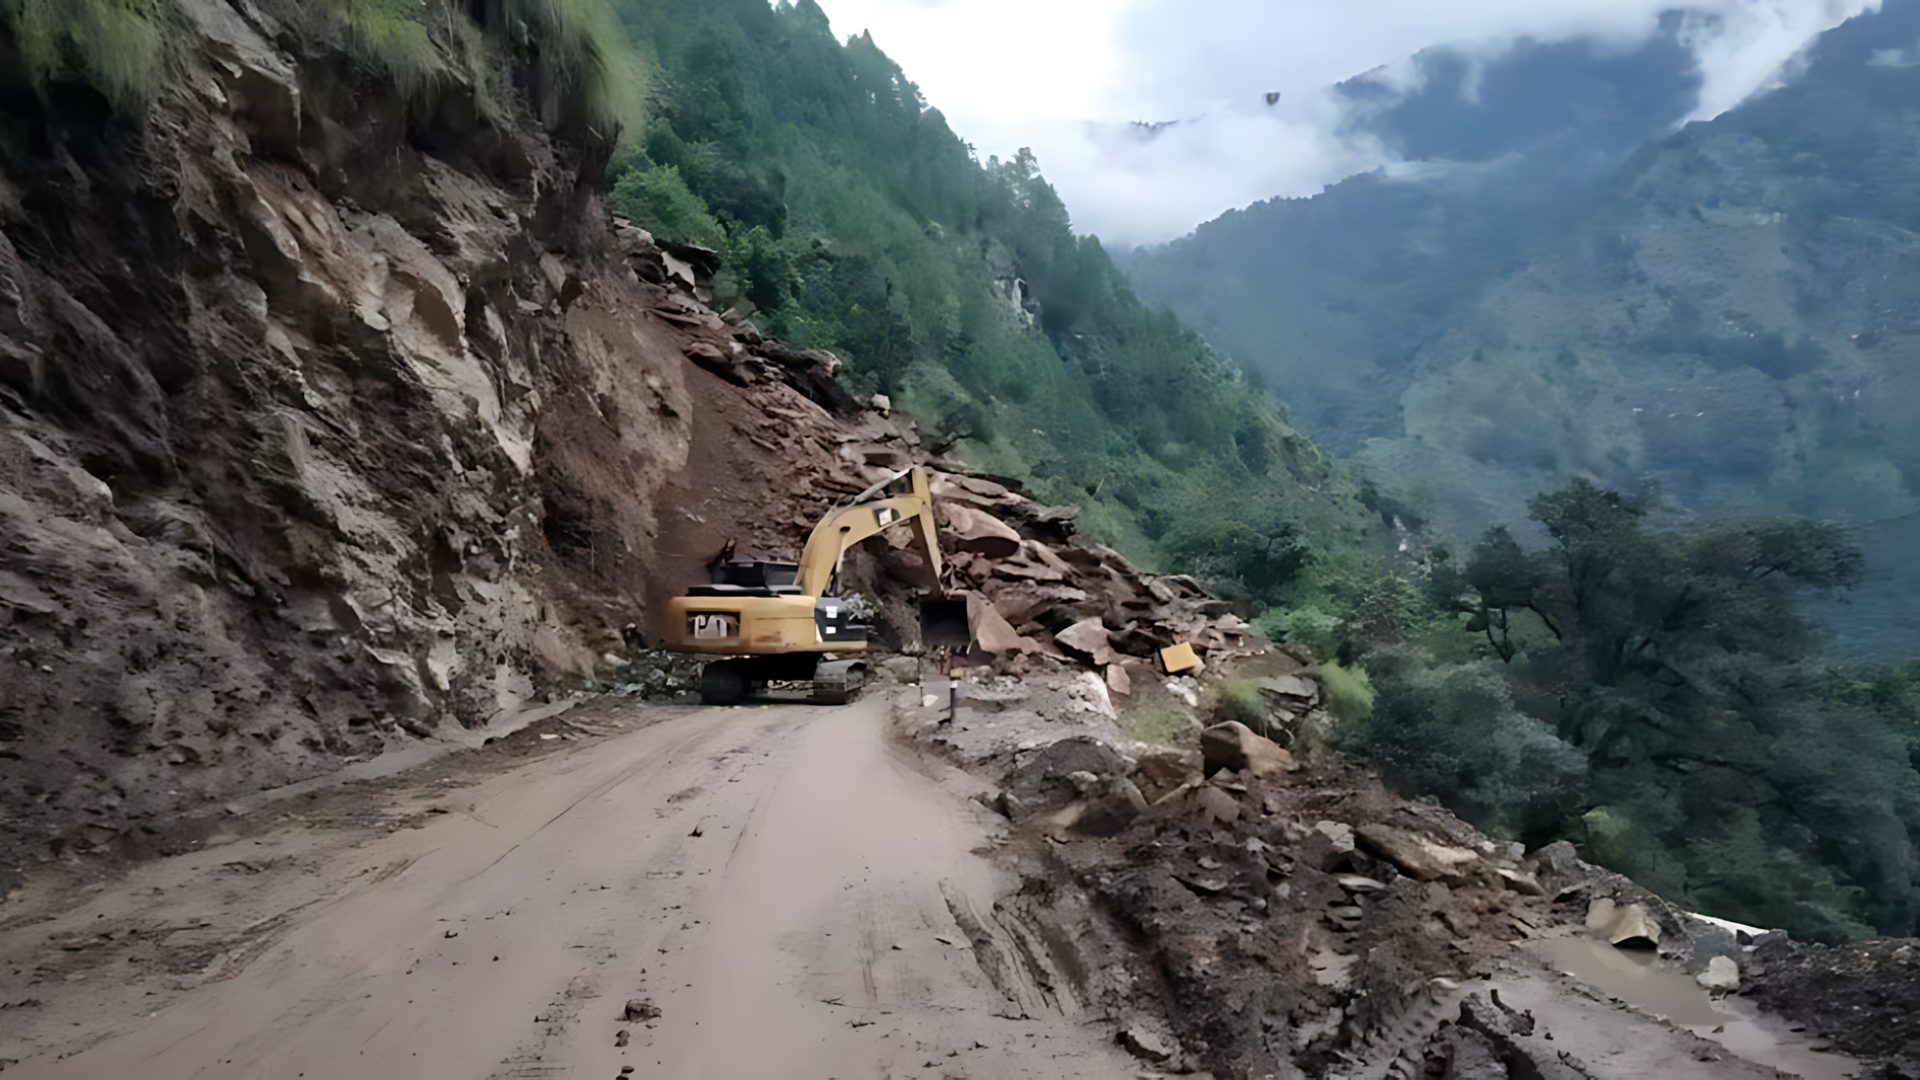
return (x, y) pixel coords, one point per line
(1657, 987)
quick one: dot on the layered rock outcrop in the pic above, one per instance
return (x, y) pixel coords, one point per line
(325, 423)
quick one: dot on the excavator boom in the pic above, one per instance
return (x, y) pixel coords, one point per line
(866, 516)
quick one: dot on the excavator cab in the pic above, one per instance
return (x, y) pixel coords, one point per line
(751, 577)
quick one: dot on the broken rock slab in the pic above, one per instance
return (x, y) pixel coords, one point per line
(1291, 689)
(1088, 638)
(979, 532)
(991, 632)
(1419, 857)
(1622, 923)
(1234, 747)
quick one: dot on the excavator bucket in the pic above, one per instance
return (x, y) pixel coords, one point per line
(943, 623)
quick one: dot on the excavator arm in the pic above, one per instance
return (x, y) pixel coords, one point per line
(867, 516)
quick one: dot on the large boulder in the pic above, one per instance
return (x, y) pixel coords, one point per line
(1233, 746)
(1721, 976)
(979, 532)
(1622, 924)
(1419, 857)
(992, 633)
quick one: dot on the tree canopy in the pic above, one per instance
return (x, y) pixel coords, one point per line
(1653, 692)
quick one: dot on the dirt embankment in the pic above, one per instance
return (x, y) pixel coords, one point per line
(1232, 909)
(326, 425)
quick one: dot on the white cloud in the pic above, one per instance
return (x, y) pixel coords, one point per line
(1746, 47)
(1066, 76)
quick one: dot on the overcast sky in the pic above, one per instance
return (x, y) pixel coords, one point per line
(1066, 76)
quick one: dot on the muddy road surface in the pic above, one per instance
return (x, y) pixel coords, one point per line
(773, 891)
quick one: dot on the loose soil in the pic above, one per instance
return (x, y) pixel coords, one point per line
(781, 887)
(796, 891)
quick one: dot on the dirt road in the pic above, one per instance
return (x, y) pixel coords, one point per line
(778, 882)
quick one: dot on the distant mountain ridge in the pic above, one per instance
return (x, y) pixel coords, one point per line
(1560, 287)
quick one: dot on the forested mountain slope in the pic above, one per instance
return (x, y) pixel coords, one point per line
(1725, 311)
(853, 219)
(1674, 370)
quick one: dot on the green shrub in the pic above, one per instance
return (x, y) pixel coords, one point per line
(1160, 725)
(123, 48)
(570, 59)
(1310, 626)
(659, 201)
(1452, 730)
(1243, 700)
(1347, 692)
(390, 38)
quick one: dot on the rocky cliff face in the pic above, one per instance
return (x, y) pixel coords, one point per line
(325, 424)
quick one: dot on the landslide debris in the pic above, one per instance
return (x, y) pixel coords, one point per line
(1864, 998)
(1235, 901)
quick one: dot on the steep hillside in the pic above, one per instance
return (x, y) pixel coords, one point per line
(1647, 396)
(337, 411)
(851, 218)
(327, 421)
(1332, 296)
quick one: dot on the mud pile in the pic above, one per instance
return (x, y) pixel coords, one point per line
(1233, 907)
(1279, 925)
(1864, 998)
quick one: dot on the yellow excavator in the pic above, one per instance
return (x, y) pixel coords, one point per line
(776, 626)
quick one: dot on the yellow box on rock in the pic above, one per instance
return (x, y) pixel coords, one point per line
(1178, 658)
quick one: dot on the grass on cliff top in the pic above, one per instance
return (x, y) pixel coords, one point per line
(123, 48)
(572, 60)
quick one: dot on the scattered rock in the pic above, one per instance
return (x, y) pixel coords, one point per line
(1144, 1044)
(1161, 770)
(1521, 882)
(1217, 804)
(1118, 680)
(1088, 638)
(1513, 1055)
(639, 1010)
(1721, 976)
